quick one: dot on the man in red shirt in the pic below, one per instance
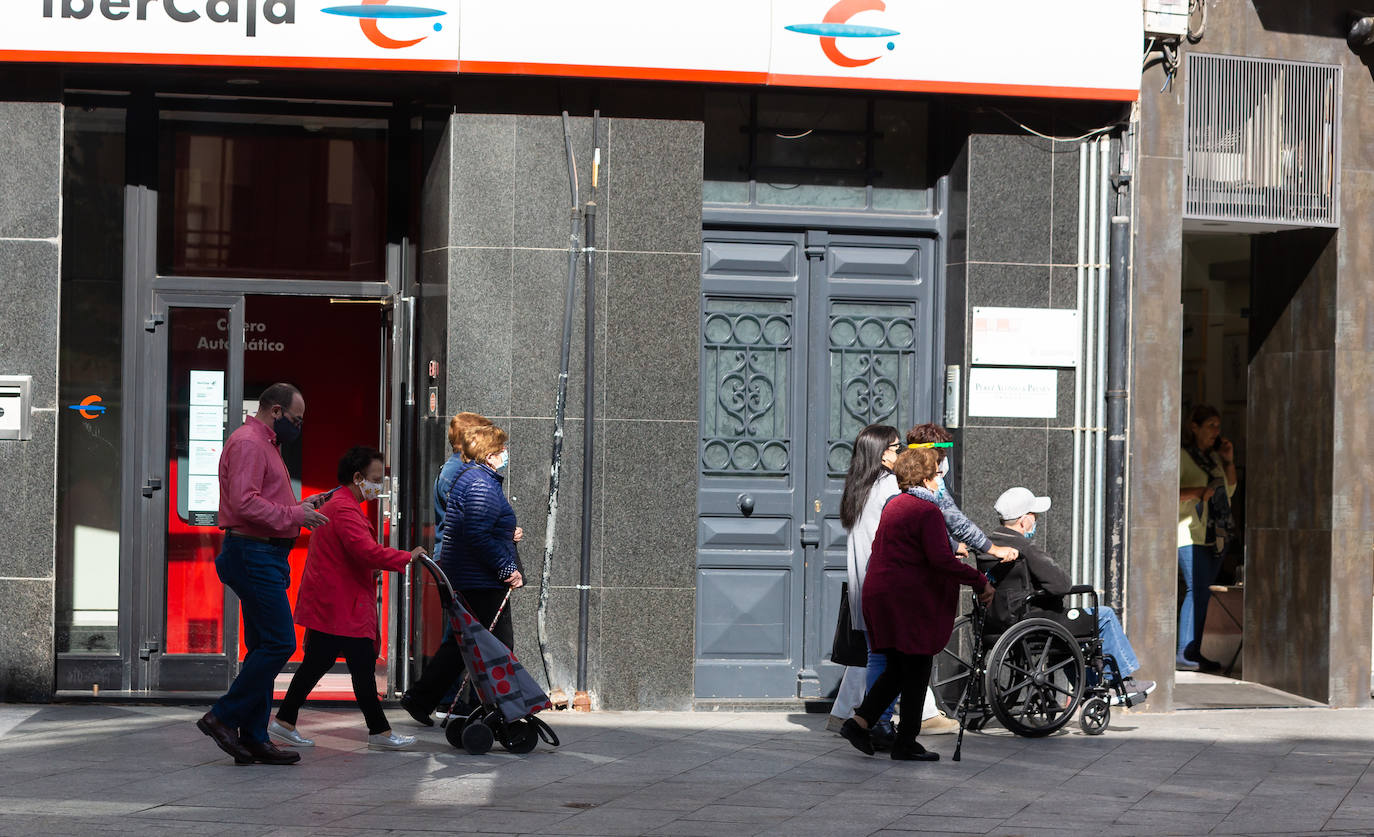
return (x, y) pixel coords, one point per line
(261, 518)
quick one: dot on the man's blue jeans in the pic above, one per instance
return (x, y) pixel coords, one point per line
(259, 575)
(1114, 641)
(1199, 564)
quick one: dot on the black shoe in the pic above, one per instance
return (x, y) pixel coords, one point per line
(858, 736)
(408, 704)
(882, 736)
(912, 752)
(225, 738)
(1203, 663)
(265, 752)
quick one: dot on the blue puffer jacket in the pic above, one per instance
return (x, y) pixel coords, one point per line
(479, 531)
(453, 466)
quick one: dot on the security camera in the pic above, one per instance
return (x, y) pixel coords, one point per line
(1361, 31)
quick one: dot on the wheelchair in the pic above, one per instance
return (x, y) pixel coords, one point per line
(1033, 677)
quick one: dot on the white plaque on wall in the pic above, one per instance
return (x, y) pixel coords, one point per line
(1026, 336)
(1013, 393)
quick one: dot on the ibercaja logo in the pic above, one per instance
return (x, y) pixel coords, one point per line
(370, 14)
(835, 26)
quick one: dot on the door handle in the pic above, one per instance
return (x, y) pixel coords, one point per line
(810, 534)
(746, 504)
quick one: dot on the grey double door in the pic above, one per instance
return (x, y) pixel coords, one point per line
(806, 337)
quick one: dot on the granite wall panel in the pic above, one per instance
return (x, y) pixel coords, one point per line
(26, 640)
(31, 175)
(1010, 187)
(504, 264)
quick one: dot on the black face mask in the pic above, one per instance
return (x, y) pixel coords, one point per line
(286, 430)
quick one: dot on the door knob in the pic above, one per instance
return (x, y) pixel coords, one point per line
(746, 504)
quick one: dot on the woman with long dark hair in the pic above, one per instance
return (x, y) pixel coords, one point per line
(1206, 481)
(867, 488)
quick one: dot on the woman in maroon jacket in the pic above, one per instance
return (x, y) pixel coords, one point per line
(337, 602)
(910, 599)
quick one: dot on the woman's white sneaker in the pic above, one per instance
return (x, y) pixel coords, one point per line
(389, 742)
(282, 735)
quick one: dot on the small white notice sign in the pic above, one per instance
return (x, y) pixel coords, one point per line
(207, 387)
(202, 494)
(1013, 393)
(204, 457)
(1026, 336)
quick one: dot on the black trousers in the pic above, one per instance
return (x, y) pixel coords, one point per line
(447, 663)
(321, 650)
(907, 675)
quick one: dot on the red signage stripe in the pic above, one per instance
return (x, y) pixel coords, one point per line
(971, 88)
(281, 61)
(606, 71)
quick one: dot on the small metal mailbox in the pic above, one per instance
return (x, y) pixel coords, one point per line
(14, 406)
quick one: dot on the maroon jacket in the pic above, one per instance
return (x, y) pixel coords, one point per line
(911, 591)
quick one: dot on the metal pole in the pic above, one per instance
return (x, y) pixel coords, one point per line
(1115, 583)
(584, 580)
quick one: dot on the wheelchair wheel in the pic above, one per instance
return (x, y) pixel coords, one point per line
(1095, 715)
(1034, 677)
(952, 666)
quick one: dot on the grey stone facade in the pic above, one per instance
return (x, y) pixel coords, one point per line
(30, 227)
(1308, 579)
(494, 240)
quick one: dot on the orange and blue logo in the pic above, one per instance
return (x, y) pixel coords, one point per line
(89, 408)
(835, 25)
(370, 13)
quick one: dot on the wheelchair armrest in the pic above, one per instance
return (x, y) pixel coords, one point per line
(1081, 588)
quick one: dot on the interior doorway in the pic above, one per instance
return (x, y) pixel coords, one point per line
(210, 356)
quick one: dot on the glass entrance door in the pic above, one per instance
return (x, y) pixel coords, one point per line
(195, 382)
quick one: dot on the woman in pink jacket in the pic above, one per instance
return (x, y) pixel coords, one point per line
(337, 602)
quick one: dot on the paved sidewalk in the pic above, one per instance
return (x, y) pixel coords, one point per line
(146, 770)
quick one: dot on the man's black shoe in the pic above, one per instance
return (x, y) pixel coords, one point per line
(883, 735)
(857, 735)
(912, 752)
(265, 752)
(225, 738)
(408, 704)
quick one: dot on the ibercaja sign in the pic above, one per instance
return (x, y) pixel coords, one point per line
(371, 34)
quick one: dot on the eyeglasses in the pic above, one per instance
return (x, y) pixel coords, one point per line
(919, 445)
(895, 446)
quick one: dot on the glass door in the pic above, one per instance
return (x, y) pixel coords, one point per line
(191, 397)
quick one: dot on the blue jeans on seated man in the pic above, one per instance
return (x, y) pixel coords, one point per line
(1114, 641)
(259, 575)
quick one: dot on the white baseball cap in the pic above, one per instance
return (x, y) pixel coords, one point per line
(1017, 501)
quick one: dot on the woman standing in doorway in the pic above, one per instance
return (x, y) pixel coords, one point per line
(1206, 481)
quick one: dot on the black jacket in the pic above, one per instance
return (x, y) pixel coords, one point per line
(1016, 580)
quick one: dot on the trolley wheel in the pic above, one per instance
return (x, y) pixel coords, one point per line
(1095, 715)
(454, 731)
(519, 737)
(477, 738)
(1034, 677)
(951, 669)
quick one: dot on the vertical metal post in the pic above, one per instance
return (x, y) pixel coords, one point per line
(1115, 581)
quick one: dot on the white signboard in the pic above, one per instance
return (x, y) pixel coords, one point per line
(207, 422)
(207, 387)
(204, 457)
(1026, 337)
(205, 440)
(202, 495)
(1013, 393)
(978, 47)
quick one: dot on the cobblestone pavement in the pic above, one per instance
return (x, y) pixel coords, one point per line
(146, 770)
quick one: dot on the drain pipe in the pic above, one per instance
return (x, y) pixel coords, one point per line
(1116, 413)
(1104, 177)
(1075, 557)
(559, 410)
(584, 589)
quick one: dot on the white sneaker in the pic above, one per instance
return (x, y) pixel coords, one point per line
(389, 742)
(1136, 690)
(282, 735)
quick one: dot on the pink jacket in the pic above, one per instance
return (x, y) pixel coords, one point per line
(337, 593)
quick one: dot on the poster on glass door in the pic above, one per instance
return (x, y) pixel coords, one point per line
(206, 441)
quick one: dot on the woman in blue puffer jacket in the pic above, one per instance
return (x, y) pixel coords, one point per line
(479, 559)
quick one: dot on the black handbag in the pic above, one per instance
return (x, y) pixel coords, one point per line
(850, 647)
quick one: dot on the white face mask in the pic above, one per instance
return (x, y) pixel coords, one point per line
(370, 490)
(944, 468)
(502, 461)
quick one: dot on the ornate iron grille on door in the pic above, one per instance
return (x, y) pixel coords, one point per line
(1263, 141)
(872, 370)
(747, 349)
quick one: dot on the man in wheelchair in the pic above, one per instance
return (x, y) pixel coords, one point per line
(1034, 585)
